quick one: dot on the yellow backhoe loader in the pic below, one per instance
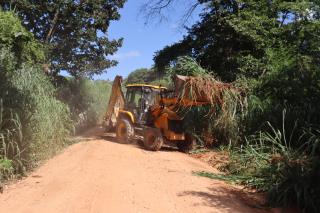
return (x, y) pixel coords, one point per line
(151, 112)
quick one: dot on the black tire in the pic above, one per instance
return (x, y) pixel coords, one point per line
(152, 139)
(124, 131)
(107, 126)
(187, 145)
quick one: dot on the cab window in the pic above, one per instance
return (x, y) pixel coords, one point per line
(133, 96)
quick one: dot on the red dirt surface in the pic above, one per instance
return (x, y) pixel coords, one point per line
(216, 159)
(99, 175)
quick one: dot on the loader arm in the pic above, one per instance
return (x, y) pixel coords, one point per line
(116, 102)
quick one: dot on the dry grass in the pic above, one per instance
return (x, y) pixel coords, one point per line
(227, 104)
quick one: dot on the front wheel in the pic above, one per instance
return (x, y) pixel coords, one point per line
(124, 131)
(152, 139)
(187, 145)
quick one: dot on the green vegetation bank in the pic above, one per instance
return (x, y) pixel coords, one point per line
(270, 49)
(39, 111)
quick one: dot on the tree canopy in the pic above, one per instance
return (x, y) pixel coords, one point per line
(270, 47)
(75, 32)
(147, 76)
(237, 37)
(142, 75)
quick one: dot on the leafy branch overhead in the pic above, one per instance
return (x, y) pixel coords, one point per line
(74, 31)
(237, 38)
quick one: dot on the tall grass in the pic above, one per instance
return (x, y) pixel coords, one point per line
(270, 161)
(34, 125)
(45, 120)
(10, 153)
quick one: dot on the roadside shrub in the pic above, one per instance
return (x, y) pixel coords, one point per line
(33, 124)
(87, 100)
(45, 121)
(270, 162)
(48, 119)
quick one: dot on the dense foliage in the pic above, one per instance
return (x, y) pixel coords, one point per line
(75, 32)
(269, 161)
(271, 49)
(33, 123)
(147, 76)
(36, 119)
(37, 41)
(142, 75)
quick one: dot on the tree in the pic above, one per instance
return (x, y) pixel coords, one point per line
(142, 75)
(148, 76)
(271, 43)
(219, 41)
(234, 37)
(75, 32)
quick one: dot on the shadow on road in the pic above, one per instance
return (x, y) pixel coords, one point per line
(229, 199)
(110, 137)
(98, 133)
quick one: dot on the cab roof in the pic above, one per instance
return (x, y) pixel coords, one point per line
(146, 85)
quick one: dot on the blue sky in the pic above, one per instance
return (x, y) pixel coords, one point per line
(142, 41)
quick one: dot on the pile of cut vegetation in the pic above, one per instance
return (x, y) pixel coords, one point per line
(220, 105)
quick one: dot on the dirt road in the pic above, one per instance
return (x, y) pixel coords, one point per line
(98, 175)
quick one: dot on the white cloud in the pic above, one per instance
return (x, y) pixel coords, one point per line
(126, 55)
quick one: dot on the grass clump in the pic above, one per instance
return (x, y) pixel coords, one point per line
(10, 154)
(234, 179)
(270, 162)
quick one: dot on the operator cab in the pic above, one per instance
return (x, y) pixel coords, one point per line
(139, 98)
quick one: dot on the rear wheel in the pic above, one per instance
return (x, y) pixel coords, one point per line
(124, 131)
(187, 145)
(152, 139)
